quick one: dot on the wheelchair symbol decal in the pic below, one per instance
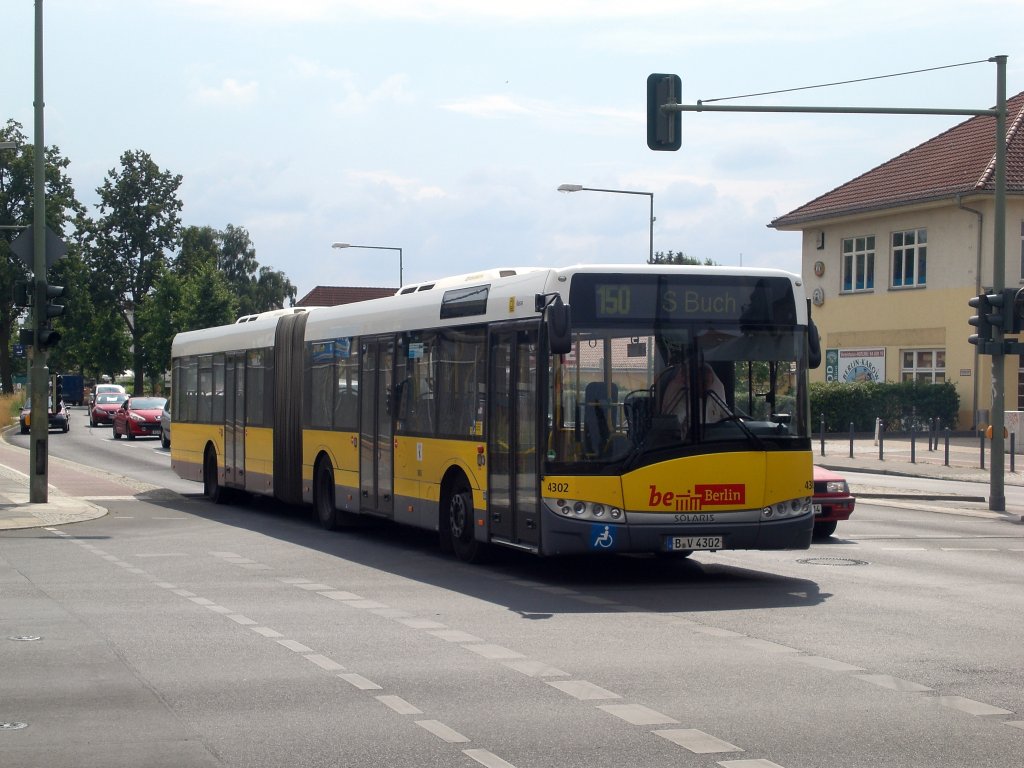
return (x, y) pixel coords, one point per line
(601, 537)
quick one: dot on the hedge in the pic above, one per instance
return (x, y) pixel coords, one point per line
(899, 405)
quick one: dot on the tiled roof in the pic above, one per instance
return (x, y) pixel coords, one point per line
(959, 161)
(332, 295)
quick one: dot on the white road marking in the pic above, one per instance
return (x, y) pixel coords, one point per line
(360, 682)
(535, 668)
(295, 580)
(399, 705)
(442, 731)
(582, 690)
(266, 631)
(717, 631)
(422, 623)
(893, 683)
(166, 585)
(488, 759)
(489, 651)
(455, 636)
(767, 645)
(1015, 724)
(335, 594)
(161, 554)
(220, 609)
(366, 604)
(637, 714)
(238, 618)
(759, 763)
(201, 601)
(183, 593)
(829, 664)
(696, 741)
(323, 662)
(971, 707)
(968, 549)
(295, 645)
(314, 587)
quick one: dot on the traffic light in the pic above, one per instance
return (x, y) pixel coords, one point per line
(1002, 310)
(664, 129)
(57, 390)
(981, 321)
(45, 335)
(22, 295)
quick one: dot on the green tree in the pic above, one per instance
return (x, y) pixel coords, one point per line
(139, 222)
(16, 212)
(670, 257)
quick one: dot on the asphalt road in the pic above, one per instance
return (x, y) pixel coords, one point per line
(178, 633)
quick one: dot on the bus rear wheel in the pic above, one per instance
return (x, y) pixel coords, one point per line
(323, 495)
(459, 524)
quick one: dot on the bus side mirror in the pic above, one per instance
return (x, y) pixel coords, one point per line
(813, 345)
(558, 321)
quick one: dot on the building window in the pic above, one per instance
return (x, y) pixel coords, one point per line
(859, 263)
(925, 365)
(909, 258)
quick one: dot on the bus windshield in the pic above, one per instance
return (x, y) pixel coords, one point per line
(637, 388)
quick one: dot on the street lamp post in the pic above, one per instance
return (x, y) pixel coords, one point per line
(579, 188)
(376, 248)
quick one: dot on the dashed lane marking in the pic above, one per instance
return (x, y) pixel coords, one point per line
(583, 690)
(698, 742)
(360, 682)
(399, 705)
(442, 731)
(487, 759)
(637, 714)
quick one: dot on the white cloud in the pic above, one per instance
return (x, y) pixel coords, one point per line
(229, 93)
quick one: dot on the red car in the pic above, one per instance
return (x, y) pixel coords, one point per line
(832, 501)
(138, 417)
(103, 408)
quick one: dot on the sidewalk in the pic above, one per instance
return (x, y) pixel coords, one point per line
(76, 492)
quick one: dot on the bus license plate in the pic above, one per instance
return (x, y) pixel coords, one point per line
(694, 542)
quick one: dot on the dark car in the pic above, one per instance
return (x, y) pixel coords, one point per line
(59, 419)
(103, 408)
(138, 417)
(832, 501)
(165, 426)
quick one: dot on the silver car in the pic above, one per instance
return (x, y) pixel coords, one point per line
(165, 426)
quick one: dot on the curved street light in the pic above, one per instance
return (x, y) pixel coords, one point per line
(581, 188)
(376, 248)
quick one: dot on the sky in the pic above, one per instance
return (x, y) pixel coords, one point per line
(444, 127)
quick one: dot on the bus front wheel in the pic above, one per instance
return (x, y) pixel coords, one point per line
(211, 488)
(459, 519)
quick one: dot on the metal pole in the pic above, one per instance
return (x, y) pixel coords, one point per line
(997, 494)
(40, 426)
(913, 444)
(851, 439)
(947, 446)
(823, 434)
(881, 440)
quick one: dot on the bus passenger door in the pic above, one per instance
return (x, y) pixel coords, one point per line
(513, 497)
(234, 420)
(376, 437)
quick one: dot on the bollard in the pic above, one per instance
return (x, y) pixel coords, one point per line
(947, 446)
(1012, 449)
(822, 434)
(851, 439)
(933, 434)
(982, 450)
(913, 444)
(880, 434)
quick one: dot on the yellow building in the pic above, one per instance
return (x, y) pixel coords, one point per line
(892, 257)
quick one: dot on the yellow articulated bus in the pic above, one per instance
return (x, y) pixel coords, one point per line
(585, 409)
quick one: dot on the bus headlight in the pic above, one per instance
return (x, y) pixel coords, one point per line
(585, 510)
(787, 509)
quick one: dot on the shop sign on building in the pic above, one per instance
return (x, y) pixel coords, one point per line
(850, 366)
